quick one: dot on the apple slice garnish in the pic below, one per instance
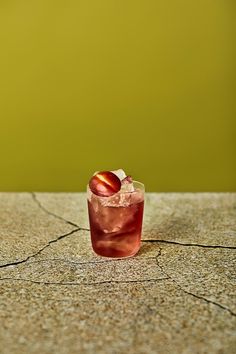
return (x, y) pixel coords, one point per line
(105, 184)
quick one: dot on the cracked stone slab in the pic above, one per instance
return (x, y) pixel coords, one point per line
(75, 248)
(25, 228)
(63, 271)
(199, 218)
(177, 295)
(207, 273)
(71, 207)
(152, 317)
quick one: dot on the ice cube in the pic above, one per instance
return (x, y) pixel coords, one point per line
(127, 185)
(120, 173)
(126, 181)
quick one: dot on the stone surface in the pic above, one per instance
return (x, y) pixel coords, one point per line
(25, 228)
(203, 218)
(177, 295)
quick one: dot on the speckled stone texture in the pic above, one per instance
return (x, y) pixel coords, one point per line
(177, 295)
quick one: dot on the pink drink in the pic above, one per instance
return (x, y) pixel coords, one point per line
(116, 222)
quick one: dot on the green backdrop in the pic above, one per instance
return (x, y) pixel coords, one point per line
(102, 84)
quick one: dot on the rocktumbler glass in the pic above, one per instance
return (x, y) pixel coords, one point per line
(116, 222)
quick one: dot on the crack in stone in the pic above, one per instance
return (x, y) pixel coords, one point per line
(189, 244)
(33, 194)
(92, 283)
(40, 250)
(188, 292)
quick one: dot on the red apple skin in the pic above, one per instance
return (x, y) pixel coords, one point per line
(105, 184)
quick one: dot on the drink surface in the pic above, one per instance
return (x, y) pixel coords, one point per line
(116, 223)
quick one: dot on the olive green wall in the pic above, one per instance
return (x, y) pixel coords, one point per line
(101, 84)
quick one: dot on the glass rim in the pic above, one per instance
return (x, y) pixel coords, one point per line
(123, 192)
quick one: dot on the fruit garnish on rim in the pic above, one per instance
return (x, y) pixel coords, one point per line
(105, 184)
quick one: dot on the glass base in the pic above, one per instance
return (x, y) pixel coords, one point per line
(116, 257)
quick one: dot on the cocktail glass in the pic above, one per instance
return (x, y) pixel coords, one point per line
(116, 222)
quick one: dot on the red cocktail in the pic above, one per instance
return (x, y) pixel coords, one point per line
(116, 220)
